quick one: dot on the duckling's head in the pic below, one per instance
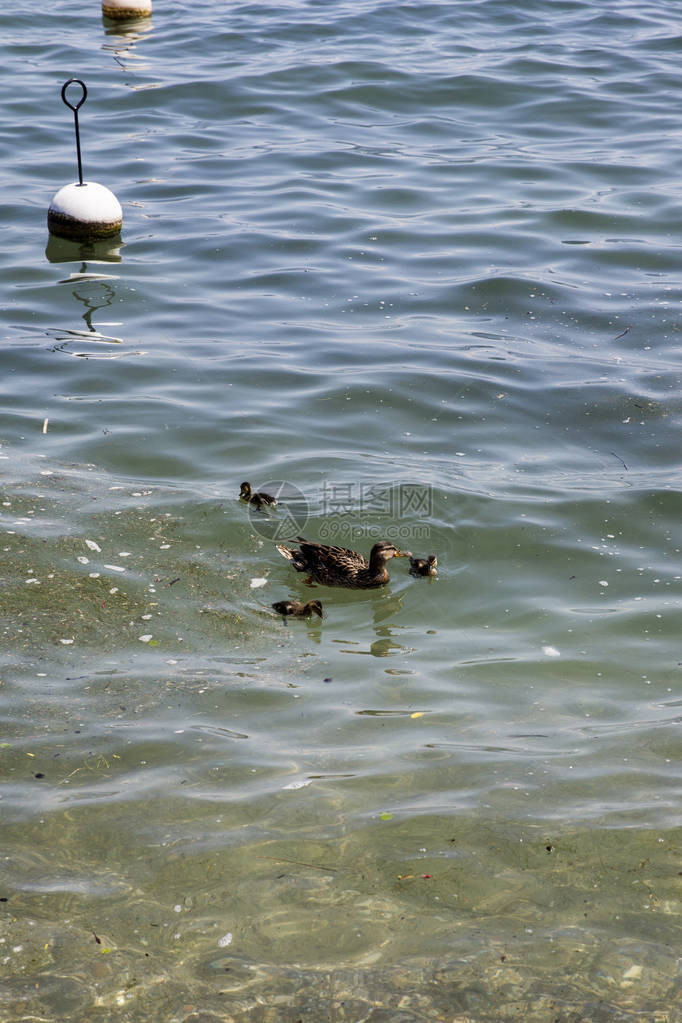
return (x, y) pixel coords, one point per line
(245, 490)
(315, 607)
(424, 566)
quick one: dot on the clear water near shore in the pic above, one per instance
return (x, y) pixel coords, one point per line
(418, 267)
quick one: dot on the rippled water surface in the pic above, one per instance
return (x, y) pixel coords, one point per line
(416, 267)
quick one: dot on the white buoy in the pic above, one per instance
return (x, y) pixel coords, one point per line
(84, 210)
(120, 9)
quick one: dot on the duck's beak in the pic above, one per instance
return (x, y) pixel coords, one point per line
(403, 554)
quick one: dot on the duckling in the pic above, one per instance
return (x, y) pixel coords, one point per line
(296, 609)
(259, 499)
(337, 566)
(424, 566)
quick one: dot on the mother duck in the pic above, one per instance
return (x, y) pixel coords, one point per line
(338, 566)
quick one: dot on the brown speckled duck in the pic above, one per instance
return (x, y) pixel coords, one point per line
(338, 566)
(296, 609)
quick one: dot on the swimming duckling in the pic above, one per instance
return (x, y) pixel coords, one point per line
(298, 610)
(259, 499)
(424, 566)
(337, 566)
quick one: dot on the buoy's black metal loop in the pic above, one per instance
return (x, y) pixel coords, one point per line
(76, 107)
(83, 97)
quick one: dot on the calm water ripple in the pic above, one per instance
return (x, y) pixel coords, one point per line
(414, 266)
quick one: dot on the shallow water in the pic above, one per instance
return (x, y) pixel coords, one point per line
(416, 269)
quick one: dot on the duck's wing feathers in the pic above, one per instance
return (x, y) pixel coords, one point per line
(328, 555)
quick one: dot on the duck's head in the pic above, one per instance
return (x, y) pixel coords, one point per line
(384, 551)
(245, 490)
(315, 607)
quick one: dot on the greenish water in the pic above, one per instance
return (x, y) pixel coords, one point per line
(416, 268)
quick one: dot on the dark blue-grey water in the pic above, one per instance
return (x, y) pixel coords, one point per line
(418, 267)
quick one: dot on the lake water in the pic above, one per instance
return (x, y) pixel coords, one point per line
(417, 267)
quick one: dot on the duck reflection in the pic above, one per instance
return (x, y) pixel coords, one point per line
(385, 609)
(384, 647)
